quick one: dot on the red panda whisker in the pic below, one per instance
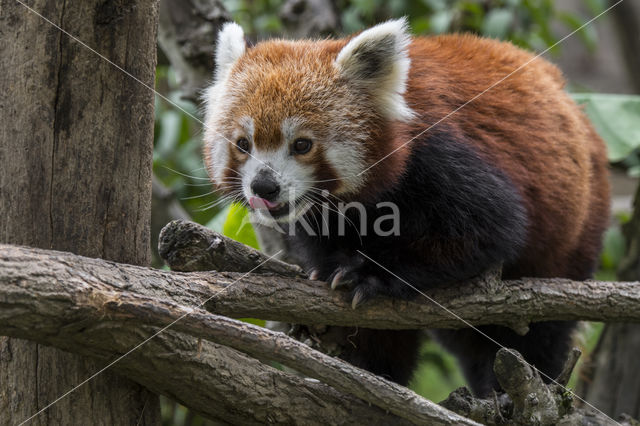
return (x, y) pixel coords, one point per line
(340, 213)
(236, 196)
(186, 175)
(197, 184)
(193, 197)
(325, 192)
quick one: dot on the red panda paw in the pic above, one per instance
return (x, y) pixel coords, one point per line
(348, 271)
(362, 286)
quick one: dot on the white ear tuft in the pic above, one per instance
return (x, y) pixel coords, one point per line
(377, 60)
(230, 47)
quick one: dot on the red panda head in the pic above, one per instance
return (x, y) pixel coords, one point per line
(288, 119)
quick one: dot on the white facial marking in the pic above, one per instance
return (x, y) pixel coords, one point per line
(346, 156)
(229, 48)
(216, 142)
(292, 179)
(245, 128)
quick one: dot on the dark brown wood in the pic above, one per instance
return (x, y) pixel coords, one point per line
(93, 301)
(94, 307)
(297, 300)
(188, 246)
(75, 149)
(486, 300)
(79, 307)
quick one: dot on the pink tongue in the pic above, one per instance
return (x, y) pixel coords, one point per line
(261, 203)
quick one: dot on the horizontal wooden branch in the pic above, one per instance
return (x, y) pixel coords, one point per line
(188, 247)
(486, 300)
(90, 307)
(99, 304)
(101, 308)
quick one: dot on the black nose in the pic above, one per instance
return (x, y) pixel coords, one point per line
(265, 186)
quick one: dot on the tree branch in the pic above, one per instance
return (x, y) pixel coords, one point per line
(99, 308)
(486, 300)
(527, 399)
(188, 247)
(93, 307)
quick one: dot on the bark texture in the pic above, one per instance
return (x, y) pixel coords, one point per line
(612, 376)
(75, 149)
(155, 318)
(188, 246)
(187, 35)
(95, 307)
(485, 301)
(527, 399)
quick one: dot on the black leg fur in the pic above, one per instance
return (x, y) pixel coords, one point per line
(545, 346)
(392, 354)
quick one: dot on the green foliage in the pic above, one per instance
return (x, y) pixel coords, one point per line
(613, 249)
(586, 340)
(258, 18)
(534, 24)
(437, 375)
(177, 150)
(238, 227)
(617, 120)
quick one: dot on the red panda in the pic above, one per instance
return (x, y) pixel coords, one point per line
(486, 158)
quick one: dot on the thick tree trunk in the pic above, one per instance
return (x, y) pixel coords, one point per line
(75, 149)
(612, 377)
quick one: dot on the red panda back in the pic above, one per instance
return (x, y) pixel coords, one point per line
(520, 119)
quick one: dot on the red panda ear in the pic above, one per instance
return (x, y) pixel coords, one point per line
(229, 47)
(377, 61)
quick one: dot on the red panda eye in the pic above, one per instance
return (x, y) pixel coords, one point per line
(243, 145)
(301, 146)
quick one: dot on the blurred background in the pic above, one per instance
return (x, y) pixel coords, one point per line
(601, 63)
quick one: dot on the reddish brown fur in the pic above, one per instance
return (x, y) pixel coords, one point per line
(529, 127)
(279, 79)
(507, 106)
(526, 125)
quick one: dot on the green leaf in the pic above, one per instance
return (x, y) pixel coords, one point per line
(435, 4)
(497, 23)
(420, 25)
(634, 171)
(238, 227)
(441, 21)
(351, 21)
(617, 120)
(169, 133)
(253, 321)
(613, 248)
